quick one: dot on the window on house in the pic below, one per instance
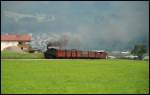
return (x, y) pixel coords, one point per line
(20, 43)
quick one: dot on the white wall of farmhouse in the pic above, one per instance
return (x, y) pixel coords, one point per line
(5, 44)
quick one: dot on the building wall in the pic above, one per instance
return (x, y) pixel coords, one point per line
(5, 44)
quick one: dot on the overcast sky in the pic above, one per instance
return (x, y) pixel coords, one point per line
(87, 24)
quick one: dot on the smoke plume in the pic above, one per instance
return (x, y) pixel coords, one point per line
(61, 42)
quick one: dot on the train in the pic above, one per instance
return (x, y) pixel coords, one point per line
(55, 53)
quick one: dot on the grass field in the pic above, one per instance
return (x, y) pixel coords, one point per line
(74, 76)
(20, 55)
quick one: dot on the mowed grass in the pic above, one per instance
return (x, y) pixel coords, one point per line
(74, 76)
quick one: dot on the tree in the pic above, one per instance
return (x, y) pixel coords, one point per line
(139, 50)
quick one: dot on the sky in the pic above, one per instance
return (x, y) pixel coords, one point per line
(105, 25)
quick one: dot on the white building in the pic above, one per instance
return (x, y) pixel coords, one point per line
(111, 57)
(125, 52)
(131, 57)
(20, 41)
(146, 57)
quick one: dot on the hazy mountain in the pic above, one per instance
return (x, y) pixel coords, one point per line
(107, 25)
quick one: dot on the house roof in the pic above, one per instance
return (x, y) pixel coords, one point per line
(8, 37)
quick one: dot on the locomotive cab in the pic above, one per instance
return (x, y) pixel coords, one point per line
(50, 53)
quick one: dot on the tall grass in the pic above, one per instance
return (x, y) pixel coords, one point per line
(20, 55)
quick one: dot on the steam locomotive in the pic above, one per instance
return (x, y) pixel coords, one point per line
(56, 53)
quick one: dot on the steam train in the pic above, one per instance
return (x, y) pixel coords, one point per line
(55, 53)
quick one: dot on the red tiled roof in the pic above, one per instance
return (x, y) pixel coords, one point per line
(15, 37)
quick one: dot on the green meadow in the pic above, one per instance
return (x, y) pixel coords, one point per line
(20, 55)
(62, 76)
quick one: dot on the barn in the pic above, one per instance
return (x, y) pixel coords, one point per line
(21, 41)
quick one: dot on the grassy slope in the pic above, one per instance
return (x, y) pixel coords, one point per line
(17, 55)
(74, 76)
